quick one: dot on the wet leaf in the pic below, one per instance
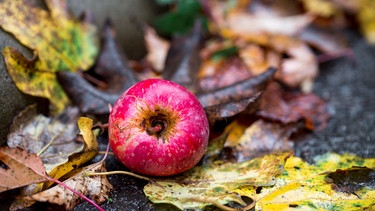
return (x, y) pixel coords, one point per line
(203, 185)
(112, 62)
(61, 43)
(33, 81)
(305, 186)
(94, 187)
(215, 74)
(237, 91)
(183, 60)
(78, 158)
(259, 138)
(157, 48)
(352, 179)
(52, 139)
(19, 168)
(286, 107)
(112, 67)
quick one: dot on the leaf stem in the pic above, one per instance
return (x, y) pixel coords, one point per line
(118, 172)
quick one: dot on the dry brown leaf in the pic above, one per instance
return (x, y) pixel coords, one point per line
(19, 168)
(259, 138)
(225, 72)
(282, 106)
(157, 49)
(242, 23)
(94, 187)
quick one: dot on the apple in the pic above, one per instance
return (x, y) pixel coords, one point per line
(158, 128)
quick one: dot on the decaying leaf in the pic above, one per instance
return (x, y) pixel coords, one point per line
(259, 138)
(157, 48)
(280, 105)
(33, 81)
(112, 67)
(19, 168)
(78, 158)
(309, 187)
(71, 49)
(61, 42)
(183, 60)
(215, 74)
(53, 139)
(94, 187)
(204, 185)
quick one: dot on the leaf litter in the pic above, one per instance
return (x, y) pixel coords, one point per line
(262, 74)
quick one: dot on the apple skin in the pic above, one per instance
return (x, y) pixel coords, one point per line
(158, 128)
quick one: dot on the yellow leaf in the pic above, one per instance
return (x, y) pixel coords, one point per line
(215, 183)
(77, 159)
(32, 81)
(306, 187)
(94, 187)
(61, 42)
(366, 18)
(322, 8)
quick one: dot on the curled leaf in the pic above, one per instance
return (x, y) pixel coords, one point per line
(94, 187)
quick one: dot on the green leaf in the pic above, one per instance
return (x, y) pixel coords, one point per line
(180, 20)
(60, 43)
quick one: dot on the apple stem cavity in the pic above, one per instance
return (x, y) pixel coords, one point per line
(156, 128)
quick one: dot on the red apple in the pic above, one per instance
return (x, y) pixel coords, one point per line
(158, 128)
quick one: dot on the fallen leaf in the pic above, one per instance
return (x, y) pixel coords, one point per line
(61, 43)
(237, 91)
(366, 18)
(321, 8)
(305, 186)
(19, 168)
(242, 23)
(157, 48)
(112, 67)
(183, 60)
(78, 158)
(259, 138)
(112, 61)
(225, 111)
(33, 81)
(352, 179)
(215, 74)
(52, 139)
(96, 188)
(285, 107)
(204, 185)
